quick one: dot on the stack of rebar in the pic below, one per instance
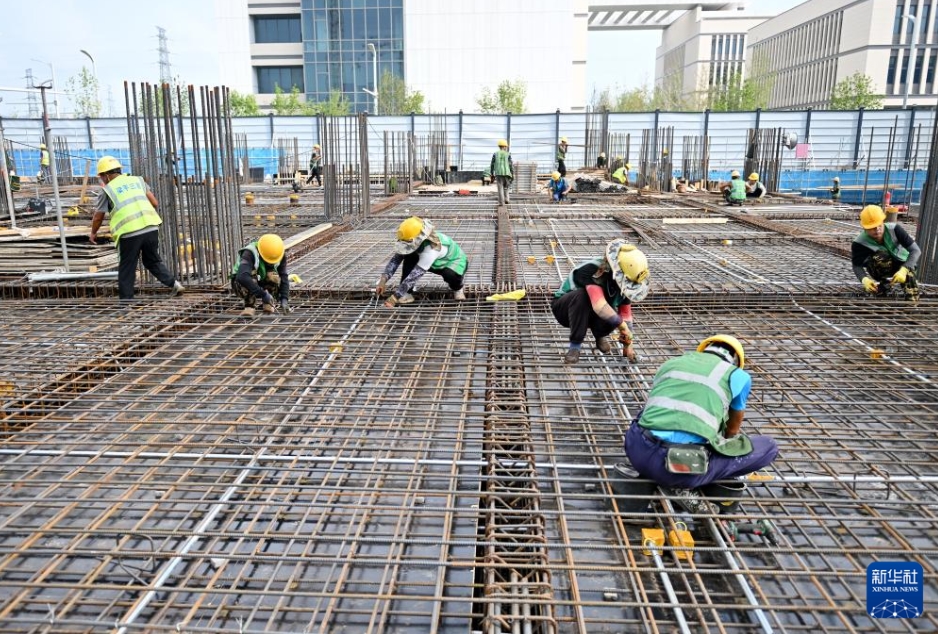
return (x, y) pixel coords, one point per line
(764, 156)
(597, 134)
(288, 158)
(63, 159)
(654, 165)
(183, 146)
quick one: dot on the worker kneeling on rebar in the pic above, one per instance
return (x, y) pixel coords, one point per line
(884, 254)
(598, 295)
(261, 274)
(754, 187)
(558, 187)
(688, 434)
(734, 192)
(420, 249)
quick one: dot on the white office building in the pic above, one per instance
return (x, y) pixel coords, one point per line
(702, 50)
(449, 50)
(813, 46)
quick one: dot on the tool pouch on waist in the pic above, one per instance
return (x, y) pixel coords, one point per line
(687, 459)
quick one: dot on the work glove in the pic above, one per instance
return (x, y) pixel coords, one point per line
(391, 302)
(511, 295)
(900, 276)
(269, 303)
(625, 335)
(629, 353)
(295, 279)
(285, 307)
(870, 284)
(273, 278)
(382, 282)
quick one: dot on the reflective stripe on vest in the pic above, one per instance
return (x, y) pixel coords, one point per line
(890, 243)
(132, 210)
(455, 259)
(692, 394)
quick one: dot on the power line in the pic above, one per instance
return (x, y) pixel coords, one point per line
(166, 75)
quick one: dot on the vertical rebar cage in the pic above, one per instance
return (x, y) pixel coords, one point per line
(181, 142)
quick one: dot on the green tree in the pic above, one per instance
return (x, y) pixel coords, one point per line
(508, 97)
(287, 103)
(744, 95)
(336, 106)
(635, 100)
(395, 98)
(854, 92)
(601, 101)
(243, 105)
(83, 89)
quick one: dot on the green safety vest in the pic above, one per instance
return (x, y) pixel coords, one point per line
(737, 189)
(890, 243)
(561, 153)
(691, 393)
(570, 285)
(260, 265)
(131, 209)
(502, 165)
(454, 260)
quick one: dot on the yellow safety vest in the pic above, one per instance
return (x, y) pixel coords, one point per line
(131, 210)
(44, 158)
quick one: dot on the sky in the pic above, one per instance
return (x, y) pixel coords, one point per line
(122, 38)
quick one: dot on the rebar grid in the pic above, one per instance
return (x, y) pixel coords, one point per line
(331, 468)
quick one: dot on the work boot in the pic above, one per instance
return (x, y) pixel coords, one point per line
(460, 295)
(407, 298)
(178, 289)
(572, 356)
(691, 500)
(604, 345)
(247, 312)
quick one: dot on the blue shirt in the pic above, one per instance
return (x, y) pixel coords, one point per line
(740, 385)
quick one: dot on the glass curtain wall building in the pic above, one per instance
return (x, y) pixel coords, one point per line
(336, 56)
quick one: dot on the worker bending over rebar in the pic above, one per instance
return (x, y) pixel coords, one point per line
(884, 254)
(688, 434)
(598, 296)
(260, 273)
(420, 249)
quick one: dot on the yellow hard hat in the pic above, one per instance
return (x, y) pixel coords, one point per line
(872, 216)
(270, 248)
(317, 147)
(664, 151)
(555, 176)
(563, 139)
(502, 143)
(42, 146)
(734, 174)
(837, 179)
(107, 164)
(410, 229)
(628, 166)
(754, 176)
(721, 345)
(633, 263)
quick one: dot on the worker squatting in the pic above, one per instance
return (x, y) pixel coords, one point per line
(688, 434)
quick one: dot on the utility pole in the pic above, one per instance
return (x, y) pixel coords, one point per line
(31, 100)
(47, 130)
(374, 75)
(166, 74)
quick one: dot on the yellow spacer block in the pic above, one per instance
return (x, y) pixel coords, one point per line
(681, 539)
(652, 537)
(531, 259)
(335, 348)
(877, 354)
(549, 259)
(727, 242)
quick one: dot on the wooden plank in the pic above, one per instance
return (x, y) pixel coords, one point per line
(695, 221)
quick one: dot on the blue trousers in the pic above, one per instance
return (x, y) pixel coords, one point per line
(648, 456)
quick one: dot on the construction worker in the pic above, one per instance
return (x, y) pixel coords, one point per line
(601, 161)
(500, 169)
(562, 156)
(558, 187)
(754, 187)
(621, 175)
(420, 248)
(598, 295)
(884, 254)
(315, 166)
(688, 434)
(734, 192)
(835, 190)
(260, 273)
(45, 172)
(134, 225)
